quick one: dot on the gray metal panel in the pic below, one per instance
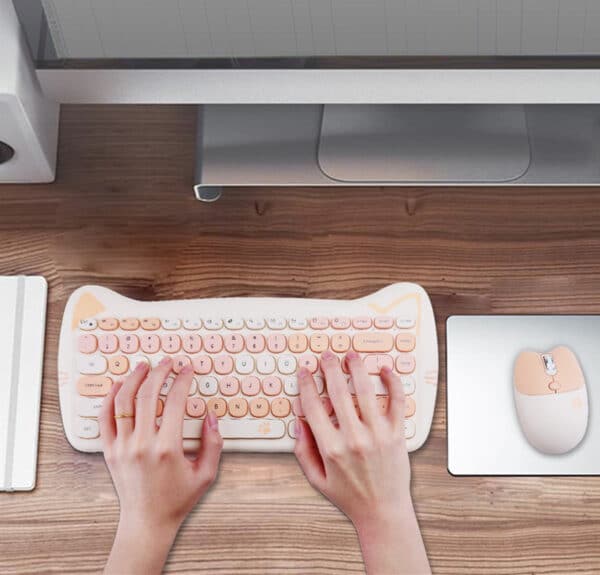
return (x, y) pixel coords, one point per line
(484, 435)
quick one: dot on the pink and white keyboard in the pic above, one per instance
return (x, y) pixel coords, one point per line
(245, 353)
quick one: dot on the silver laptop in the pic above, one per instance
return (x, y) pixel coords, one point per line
(485, 436)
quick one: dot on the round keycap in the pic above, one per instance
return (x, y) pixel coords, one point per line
(202, 364)
(309, 362)
(340, 342)
(229, 386)
(405, 342)
(405, 363)
(129, 323)
(280, 407)
(207, 385)
(276, 343)
(192, 343)
(150, 323)
(180, 361)
(234, 342)
(250, 385)
(171, 343)
(319, 342)
(297, 342)
(223, 364)
(213, 343)
(297, 407)
(87, 343)
(129, 343)
(271, 385)
(410, 408)
(118, 364)
(108, 343)
(108, 323)
(195, 407)
(255, 343)
(259, 407)
(218, 405)
(150, 343)
(238, 407)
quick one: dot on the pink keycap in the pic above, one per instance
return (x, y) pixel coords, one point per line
(255, 343)
(362, 322)
(213, 343)
(195, 407)
(229, 386)
(276, 343)
(150, 343)
(171, 343)
(384, 322)
(108, 343)
(180, 361)
(340, 322)
(250, 385)
(271, 385)
(223, 364)
(129, 343)
(319, 322)
(308, 361)
(234, 342)
(405, 363)
(202, 364)
(375, 362)
(297, 407)
(88, 343)
(192, 343)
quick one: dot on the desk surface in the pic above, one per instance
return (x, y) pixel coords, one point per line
(122, 214)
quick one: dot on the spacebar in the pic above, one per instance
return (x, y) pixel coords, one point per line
(238, 428)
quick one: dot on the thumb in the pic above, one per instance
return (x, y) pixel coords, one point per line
(209, 453)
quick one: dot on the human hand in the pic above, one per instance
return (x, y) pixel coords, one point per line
(156, 483)
(361, 463)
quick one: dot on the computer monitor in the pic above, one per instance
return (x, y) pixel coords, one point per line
(489, 65)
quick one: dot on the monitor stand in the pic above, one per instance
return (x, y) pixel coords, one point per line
(395, 145)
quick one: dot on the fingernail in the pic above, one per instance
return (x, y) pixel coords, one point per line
(302, 372)
(385, 369)
(297, 428)
(186, 369)
(212, 420)
(165, 360)
(327, 355)
(140, 366)
(352, 355)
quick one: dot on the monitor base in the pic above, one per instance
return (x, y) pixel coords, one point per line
(280, 145)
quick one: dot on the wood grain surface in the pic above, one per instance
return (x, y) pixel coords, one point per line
(121, 214)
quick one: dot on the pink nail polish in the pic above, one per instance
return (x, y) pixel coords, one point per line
(297, 428)
(212, 420)
(165, 360)
(141, 366)
(327, 355)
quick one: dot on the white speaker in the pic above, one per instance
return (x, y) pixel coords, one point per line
(28, 121)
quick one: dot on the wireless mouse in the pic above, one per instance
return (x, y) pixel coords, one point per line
(551, 399)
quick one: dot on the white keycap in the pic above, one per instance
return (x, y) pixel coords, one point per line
(213, 323)
(166, 386)
(87, 428)
(255, 323)
(207, 384)
(234, 323)
(137, 359)
(265, 364)
(409, 384)
(192, 323)
(89, 406)
(405, 322)
(171, 323)
(155, 359)
(287, 364)
(91, 364)
(276, 322)
(192, 389)
(298, 323)
(88, 324)
(244, 364)
(409, 428)
(290, 385)
(238, 428)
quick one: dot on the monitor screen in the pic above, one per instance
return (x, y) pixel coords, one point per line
(280, 34)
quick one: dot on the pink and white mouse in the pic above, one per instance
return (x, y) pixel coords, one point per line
(551, 399)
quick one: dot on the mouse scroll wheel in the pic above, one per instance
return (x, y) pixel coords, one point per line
(549, 364)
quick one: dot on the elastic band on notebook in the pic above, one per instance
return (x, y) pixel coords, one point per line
(14, 384)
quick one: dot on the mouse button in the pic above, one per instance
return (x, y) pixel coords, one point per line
(570, 376)
(529, 375)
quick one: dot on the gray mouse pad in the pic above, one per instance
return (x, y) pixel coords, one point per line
(484, 434)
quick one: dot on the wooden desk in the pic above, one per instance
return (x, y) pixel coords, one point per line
(122, 214)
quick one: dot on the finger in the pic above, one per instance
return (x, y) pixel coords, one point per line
(106, 418)
(125, 404)
(308, 455)
(209, 454)
(397, 402)
(365, 391)
(313, 409)
(147, 396)
(171, 427)
(337, 388)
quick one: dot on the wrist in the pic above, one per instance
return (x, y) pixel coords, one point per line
(131, 526)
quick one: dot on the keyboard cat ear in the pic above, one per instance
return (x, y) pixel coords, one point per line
(87, 306)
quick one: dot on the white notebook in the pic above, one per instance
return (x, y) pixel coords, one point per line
(23, 313)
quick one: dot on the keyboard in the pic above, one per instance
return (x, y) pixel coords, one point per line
(23, 313)
(245, 353)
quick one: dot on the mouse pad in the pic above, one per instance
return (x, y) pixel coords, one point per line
(485, 436)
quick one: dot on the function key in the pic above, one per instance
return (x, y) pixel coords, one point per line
(384, 322)
(88, 324)
(276, 323)
(171, 323)
(405, 363)
(255, 323)
(405, 322)
(408, 382)
(234, 323)
(339, 322)
(405, 342)
(150, 323)
(410, 407)
(87, 428)
(213, 323)
(362, 322)
(108, 323)
(298, 323)
(129, 323)
(192, 323)
(319, 322)
(87, 343)
(91, 365)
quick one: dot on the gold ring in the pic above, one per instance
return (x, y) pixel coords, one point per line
(123, 415)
